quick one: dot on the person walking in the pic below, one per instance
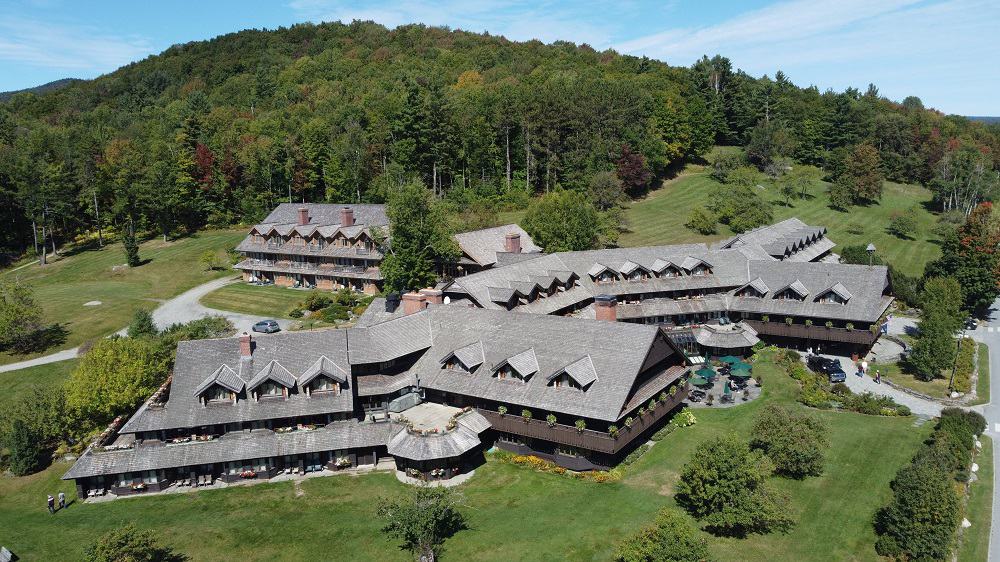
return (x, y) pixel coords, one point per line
(864, 367)
(62, 500)
(878, 377)
(52, 504)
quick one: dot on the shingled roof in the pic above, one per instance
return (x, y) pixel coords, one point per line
(790, 239)
(482, 246)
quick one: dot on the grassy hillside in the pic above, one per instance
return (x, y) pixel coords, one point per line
(63, 287)
(660, 218)
(570, 519)
(14, 385)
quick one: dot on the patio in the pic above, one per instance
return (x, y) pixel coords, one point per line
(427, 415)
(729, 385)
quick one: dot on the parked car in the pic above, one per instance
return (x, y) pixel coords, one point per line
(829, 367)
(267, 326)
(970, 323)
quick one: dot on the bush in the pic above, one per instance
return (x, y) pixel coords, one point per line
(702, 222)
(32, 427)
(130, 544)
(903, 225)
(335, 313)
(316, 301)
(724, 163)
(142, 325)
(964, 365)
(24, 446)
(795, 443)
(724, 485)
(668, 539)
(296, 313)
(921, 519)
(634, 455)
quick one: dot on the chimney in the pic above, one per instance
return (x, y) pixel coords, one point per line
(245, 347)
(346, 216)
(391, 302)
(512, 243)
(432, 296)
(606, 307)
(303, 216)
(414, 302)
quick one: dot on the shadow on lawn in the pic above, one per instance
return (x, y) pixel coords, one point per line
(41, 339)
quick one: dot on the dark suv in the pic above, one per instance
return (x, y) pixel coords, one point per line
(829, 367)
(267, 326)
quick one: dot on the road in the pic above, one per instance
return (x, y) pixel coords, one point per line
(182, 308)
(990, 335)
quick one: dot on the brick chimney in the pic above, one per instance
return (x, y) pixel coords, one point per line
(512, 243)
(432, 296)
(414, 302)
(346, 216)
(246, 349)
(303, 216)
(606, 307)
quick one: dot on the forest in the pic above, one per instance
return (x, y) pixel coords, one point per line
(217, 132)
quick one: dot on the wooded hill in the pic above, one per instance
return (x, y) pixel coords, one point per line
(217, 132)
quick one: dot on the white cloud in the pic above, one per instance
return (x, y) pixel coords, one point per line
(29, 42)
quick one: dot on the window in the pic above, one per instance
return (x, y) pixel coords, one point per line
(568, 451)
(270, 389)
(217, 394)
(565, 381)
(831, 297)
(323, 384)
(453, 364)
(606, 277)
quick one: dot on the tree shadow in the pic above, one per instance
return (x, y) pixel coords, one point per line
(42, 339)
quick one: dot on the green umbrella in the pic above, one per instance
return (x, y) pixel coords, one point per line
(699, 381)
(741, 366)
(726, 391)
(729, 359)
(706, 371)
(740, 374)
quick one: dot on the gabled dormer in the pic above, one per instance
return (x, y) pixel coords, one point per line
(601, 273)
(632, 271)
(837, 294)
(696, 266)
(795, 291)
(578, 375)
(323, 376)
(271, 382)
(517, 367)
(666, 268)
(565, 279)
(221, 387)
(464, 359)
(754, 289)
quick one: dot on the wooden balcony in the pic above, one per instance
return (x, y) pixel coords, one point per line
(586, 439)
(816, 333)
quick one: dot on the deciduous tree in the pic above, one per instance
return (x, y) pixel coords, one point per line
(422, 521)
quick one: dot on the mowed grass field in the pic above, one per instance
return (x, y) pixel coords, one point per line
(975, 542)
(265, 301)
(64, 286)
(513, 513)
(15, 385)
(660, 218)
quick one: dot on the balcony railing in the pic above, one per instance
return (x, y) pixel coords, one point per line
(586, 439)
(821, 333)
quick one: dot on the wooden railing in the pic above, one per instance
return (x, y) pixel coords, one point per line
(821, 333)
(586, 439)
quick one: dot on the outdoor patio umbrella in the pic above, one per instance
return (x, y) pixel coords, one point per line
(741, 366)
(706, 372)
(699, 381)
(730, 359)
(740, 374)
(726, 391)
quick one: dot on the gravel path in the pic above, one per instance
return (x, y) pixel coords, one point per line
(182, 308)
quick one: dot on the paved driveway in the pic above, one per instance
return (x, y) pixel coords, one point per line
(989, 333)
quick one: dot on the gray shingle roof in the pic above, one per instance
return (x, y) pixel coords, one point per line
(324, 366)
(327, 214)
(484, 245)
(274, 372)
(448, 445)
(789, 239)
(581, 370)
(524, 362)
(225, 377)
(470, 355)
(730, 336)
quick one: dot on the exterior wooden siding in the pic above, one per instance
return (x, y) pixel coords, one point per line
(817, 333)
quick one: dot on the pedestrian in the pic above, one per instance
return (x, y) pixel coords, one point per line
(878, 377)
(62, 500)
(864, 367)
(52, 504)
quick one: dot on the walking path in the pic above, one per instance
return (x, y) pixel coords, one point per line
(989, 334)
(182, 308)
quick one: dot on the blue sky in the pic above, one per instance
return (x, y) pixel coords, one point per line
(945, 51)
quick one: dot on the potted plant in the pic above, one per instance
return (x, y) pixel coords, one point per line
(788, 320)
(642, 411)
(849, 325)
(809, 322)
(613, 431)
(710, 400)
(829, 324)
(580, 425)
(765, 318)
(652, 405)
(551, 420)
(502, 410)
(628, 422)
(663, 395)
(526, 414)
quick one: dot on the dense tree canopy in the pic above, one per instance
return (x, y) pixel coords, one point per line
(219, 131)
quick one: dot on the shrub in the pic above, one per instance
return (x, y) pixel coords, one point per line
(903, 225)
(828, 324)
(849, 325)
(25, 448)
(551, 420)
(765, 318)
(142, 325)
(335, 313)
(724, 485)
(129, 543)
(669, 538)
(964, 365)
(316, 301)
(809, 322)
(526, 414)
(580, 425)
(794, 442)
(634, 455)
(652, 405)
(788, 320)
(502, 410)
(296, 313)
(702, 222)
(921, 519)
(629, 421)
(613, 431)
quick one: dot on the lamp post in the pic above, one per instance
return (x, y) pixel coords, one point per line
(871, 253)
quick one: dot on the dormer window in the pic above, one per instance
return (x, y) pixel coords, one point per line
(606, 277)
(788, 295)
(700, 270)
(518, 367)
(324, 384)
(271, 390)
(218, 394)
(454, 364)
(565, 381)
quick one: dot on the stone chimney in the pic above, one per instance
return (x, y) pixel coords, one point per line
(606, 307)
(303, 216)
(432, 296)
(391, 302)
(246, 349)
(414, 302)
(512, 243)
(346, 216)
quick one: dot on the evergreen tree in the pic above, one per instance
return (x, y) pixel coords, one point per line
(24, 445)
(131, 245)
(920, 522)
(941, 318)
(142, 325)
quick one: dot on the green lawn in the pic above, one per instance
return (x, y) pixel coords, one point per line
(270, 301)
(514, 513)
(937, 388)
(14, 385)
(660, 218)
(975, 545)
(62, 287)
(983, 383)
